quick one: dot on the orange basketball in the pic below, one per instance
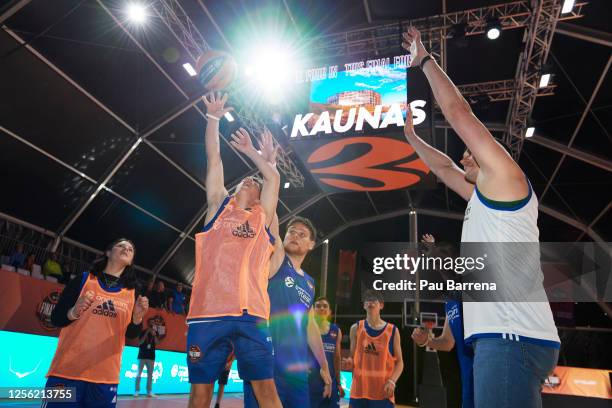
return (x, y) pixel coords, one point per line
(215, 70)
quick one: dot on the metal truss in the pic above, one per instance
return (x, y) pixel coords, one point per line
(387, 37)
(538, 38)
(538, 17)
(172, 14)
(503, 90)
(187, 34)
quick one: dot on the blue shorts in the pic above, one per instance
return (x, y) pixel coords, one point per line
(317, 400)
(292, 391)
(368, 403)
(210, 342)
(88, 394)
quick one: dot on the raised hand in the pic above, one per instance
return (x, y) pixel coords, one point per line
(412, 43)
(420, 336)
(428, 239)
(242, 142)
(83, 303)
(267, 148)
(140, 308)
(215, 104)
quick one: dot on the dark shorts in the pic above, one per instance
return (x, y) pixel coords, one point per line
(209, 343)
(368, 403)
(88, 394)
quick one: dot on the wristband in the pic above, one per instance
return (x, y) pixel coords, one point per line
(424, 60)
(208, 115)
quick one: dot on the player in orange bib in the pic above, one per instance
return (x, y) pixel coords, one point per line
(229, 302)
(375, 357)
(96, 311)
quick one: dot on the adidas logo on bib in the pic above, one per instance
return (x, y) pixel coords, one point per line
(244, 231)
(106, 309)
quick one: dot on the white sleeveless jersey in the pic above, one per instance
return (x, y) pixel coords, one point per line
(519, 321)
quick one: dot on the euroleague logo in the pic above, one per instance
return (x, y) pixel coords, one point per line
(194, 353)
(387, 164)
(45, 308)
(289, 282)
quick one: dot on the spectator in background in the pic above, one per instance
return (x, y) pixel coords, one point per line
(146, 357)
(176, 300)
(52, 267)
(148, 291)
(17, 258)
(29, 263)
(158, 297)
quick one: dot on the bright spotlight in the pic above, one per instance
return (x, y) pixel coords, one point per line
(229, 117)
(270, 71)
(493, 29)
(544, 80)
(189, 69)
(287, 184)
(530, 131)
(493, 33)
(136, 13)
(568, 5)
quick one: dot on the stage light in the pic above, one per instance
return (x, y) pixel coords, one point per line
(136, 13)
(287, 184)
(530, 131)
(544, 80)
(189, 69)
(493, 29)
(229, 117)
(269, 69)
(568, 5)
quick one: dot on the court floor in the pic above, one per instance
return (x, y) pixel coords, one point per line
(233, 400)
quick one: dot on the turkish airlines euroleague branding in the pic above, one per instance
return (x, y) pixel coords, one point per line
(388, 164)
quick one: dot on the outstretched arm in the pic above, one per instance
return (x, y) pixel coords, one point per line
(316, 346)
(215, 189)
(269, 194)
(500, 177)
(399, 365)
(441, 165)
(279, 251)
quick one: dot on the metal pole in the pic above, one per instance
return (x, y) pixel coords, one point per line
(414, 236)
(324, 265)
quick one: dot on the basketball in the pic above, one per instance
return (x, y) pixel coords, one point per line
(215, 70)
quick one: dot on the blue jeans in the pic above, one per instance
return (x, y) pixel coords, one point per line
(509, 374)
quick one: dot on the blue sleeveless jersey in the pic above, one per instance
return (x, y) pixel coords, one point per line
(315, 382)
(291, 297)
(465, 354)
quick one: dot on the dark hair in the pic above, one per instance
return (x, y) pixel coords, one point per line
(307, 223)
(322, 298)
(372, 294)
(127, 278)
